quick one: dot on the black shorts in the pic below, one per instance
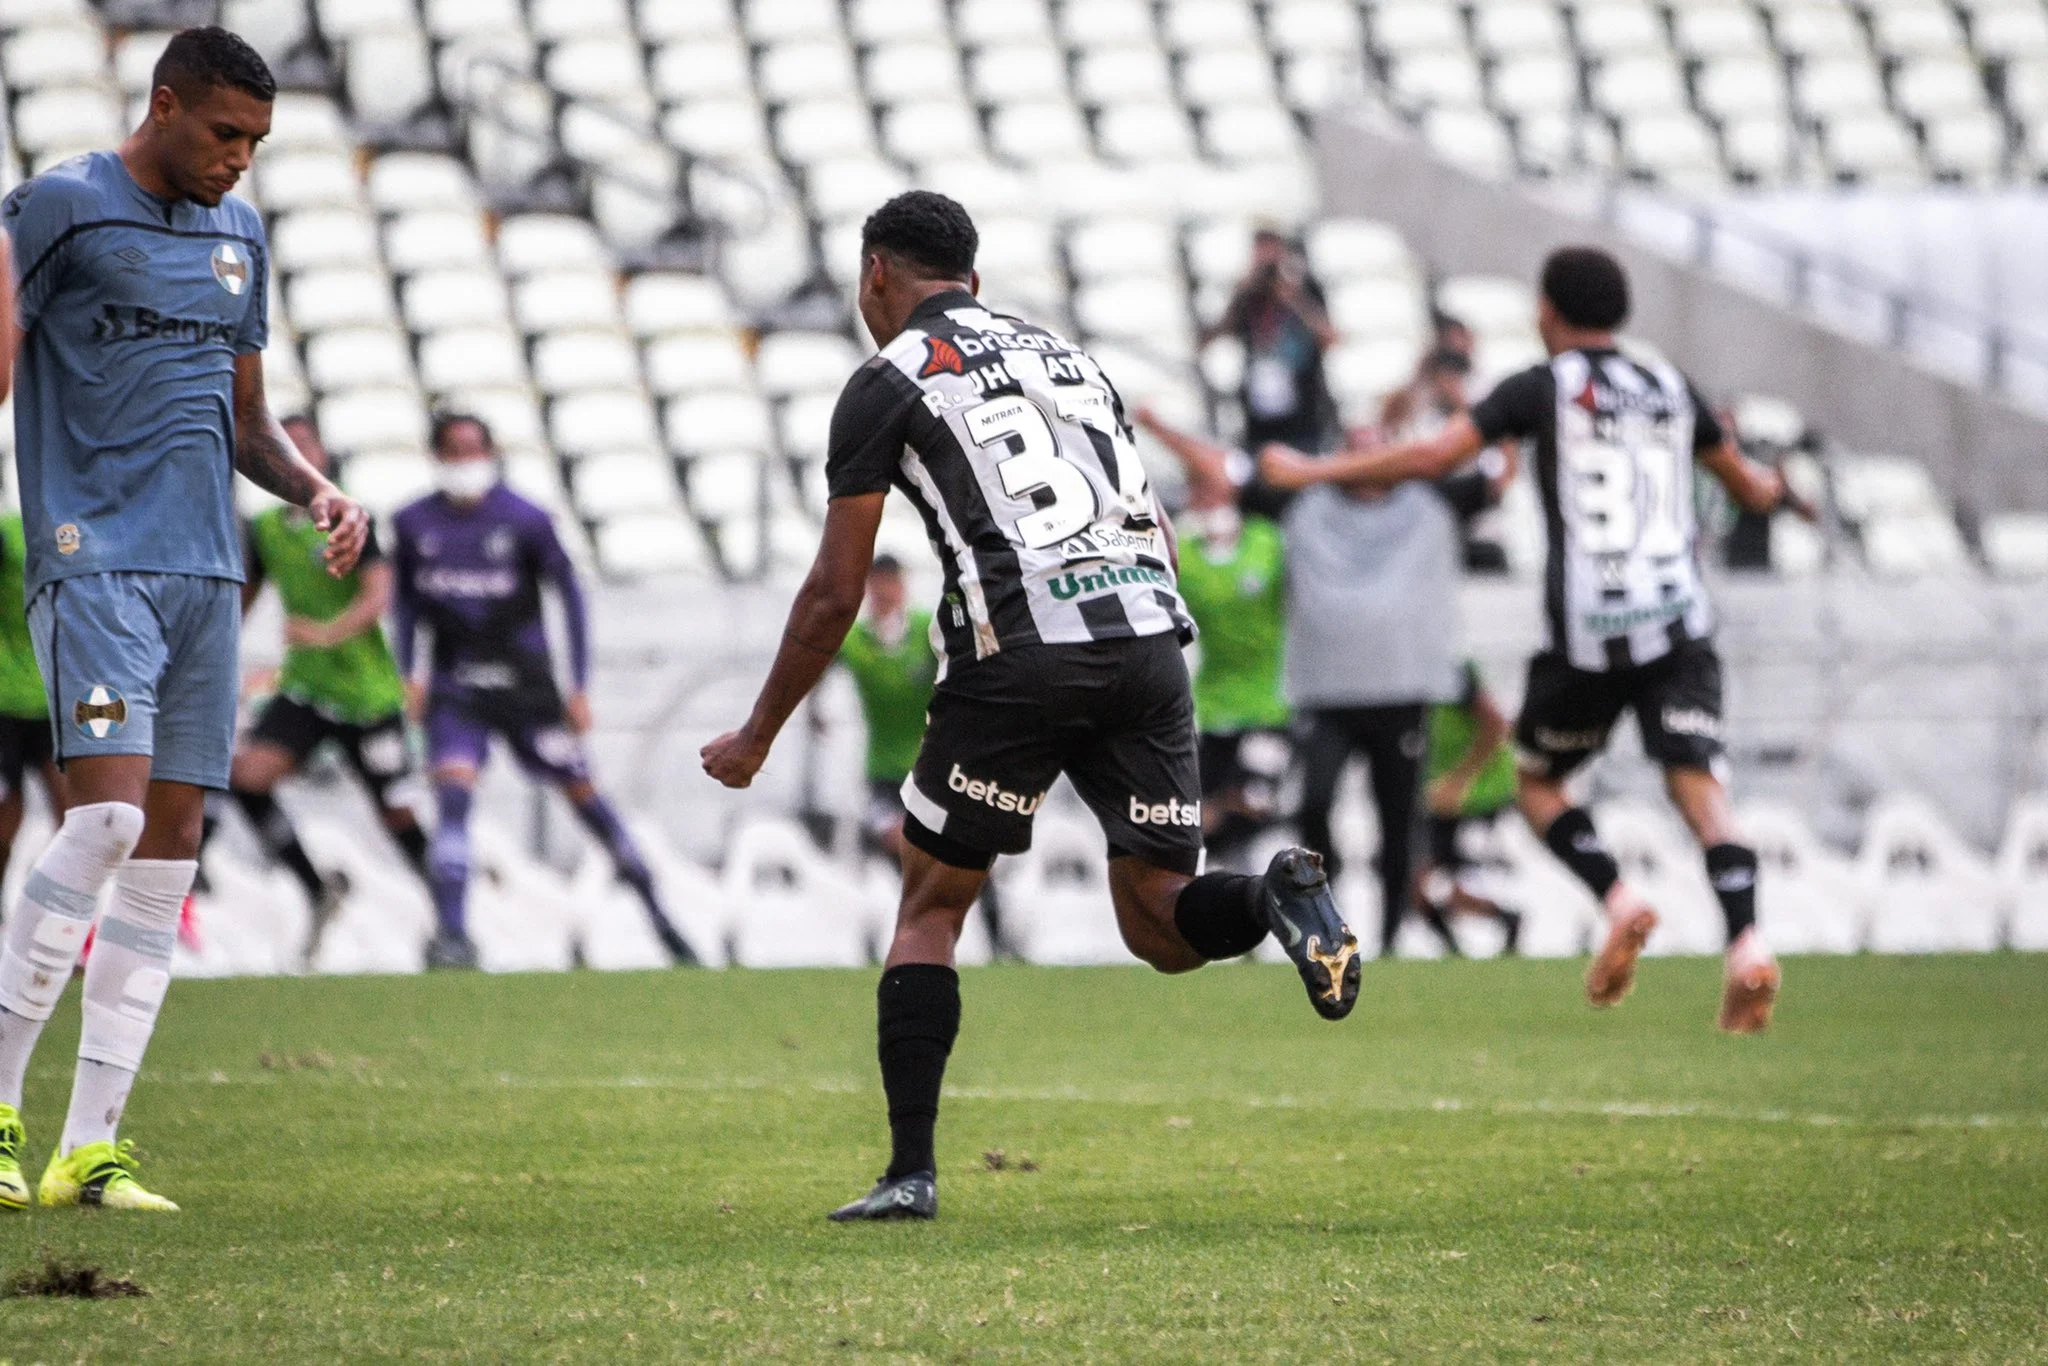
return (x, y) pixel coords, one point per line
(1248, 763)
(1567, 712)
(24, 744)
(376, 751)
(1446, 849)
(1115, 716)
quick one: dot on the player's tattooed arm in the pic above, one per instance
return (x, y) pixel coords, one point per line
(819, 619)
(265, 455)
(1755, 487)
(1379, 467)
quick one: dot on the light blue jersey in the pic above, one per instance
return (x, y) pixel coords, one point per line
(133, 309)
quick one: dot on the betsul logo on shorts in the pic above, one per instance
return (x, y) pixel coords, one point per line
(101, 712)
(992, 794)
(1172, 811)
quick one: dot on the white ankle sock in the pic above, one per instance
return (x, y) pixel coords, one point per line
(49, 925)
(124, 989)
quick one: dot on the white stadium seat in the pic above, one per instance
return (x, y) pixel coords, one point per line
(875, 21)
(920, 69)
(435, 239)
(349, 297)
(700, 68)
(612, 483)
(1611, 28)
(529, 243)
(399, 181)
(67, 119)
(602, 420)
(804, 362)
(690, 361)
(646, 543)
(1809, 898)
(56, 54)
(358, 358)
(387, 480)
(1017, 71)
(668, 20)
(2016, 544)
(437, 300)
(816, 130)
(372, 419)
(979, 22)
(804, 425)
(1719, 30)
(724, 485)
(471, 358)
(793, 907)
(931, 130)
(1107, 247)
(1402, 26)
(805, 70)
(512, 411)
(1039, 131)
(324, 237)
(1057, 896)
(584, 358)
(307, 180)
(1929, 891)
(716, 422)
(550, 300)
(660, 302)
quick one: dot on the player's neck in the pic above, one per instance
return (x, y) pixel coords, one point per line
(138, 153)
(1579, 339)
(915, 293)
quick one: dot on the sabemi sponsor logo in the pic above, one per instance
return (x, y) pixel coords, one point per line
(992, 794)
(1172, 811)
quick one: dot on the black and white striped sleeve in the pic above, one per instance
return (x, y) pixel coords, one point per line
(869, 426)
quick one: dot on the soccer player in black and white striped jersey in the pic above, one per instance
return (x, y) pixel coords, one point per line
(1061, 629)
(1616, 433)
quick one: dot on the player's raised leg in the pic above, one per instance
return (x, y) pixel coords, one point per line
(1750, 972)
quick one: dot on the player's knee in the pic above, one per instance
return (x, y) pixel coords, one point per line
(107, 831)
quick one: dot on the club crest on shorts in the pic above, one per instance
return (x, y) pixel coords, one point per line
(230, 268)
(67, 539)
(101, 712)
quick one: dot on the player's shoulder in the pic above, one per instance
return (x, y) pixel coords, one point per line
(72, 191)
(408, 518)
(517, 508)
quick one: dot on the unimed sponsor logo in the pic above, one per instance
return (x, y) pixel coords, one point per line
(1172, 811)
(991, 794)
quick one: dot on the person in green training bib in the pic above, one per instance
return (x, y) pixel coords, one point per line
(339, 682)
(1470, 780)
(890, 657)
(1233, 579)
(25, 741)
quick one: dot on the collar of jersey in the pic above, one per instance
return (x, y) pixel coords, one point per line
(939, 303)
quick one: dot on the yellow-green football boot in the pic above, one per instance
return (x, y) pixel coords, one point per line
(100, 1174)
(13, 1185)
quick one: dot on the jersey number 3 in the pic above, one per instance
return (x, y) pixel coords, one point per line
(1036, 468)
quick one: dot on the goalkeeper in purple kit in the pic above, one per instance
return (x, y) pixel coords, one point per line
(471, 562)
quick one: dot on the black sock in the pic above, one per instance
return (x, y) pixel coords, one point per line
(917, 1016)
(1577, 845)
(1732, 870)
(1433, 916)
(412, 842)
(274, 828)
(1218, 915)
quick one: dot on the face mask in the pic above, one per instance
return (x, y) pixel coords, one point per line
(466, 480)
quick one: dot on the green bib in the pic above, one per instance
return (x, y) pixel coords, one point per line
(1239, 602)
(21, 682)
(355, 681)
(895, 687)
(1453, 729)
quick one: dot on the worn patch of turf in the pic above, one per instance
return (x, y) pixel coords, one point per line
(1473, 1167)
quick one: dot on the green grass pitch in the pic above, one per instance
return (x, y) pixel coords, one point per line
(1475, 1166)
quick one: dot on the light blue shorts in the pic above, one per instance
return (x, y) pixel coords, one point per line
(143, 664)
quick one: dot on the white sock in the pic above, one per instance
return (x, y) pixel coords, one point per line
(124, 989)
(49, 925)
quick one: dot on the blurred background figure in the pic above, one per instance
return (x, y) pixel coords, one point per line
(889, 655)
(338, 683)
(1233, 579)
(472, 561)
(1278, 314)
(1469, 781)
(24, 706)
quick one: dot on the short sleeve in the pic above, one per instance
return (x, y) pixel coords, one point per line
(372, 552)
(38, 217)
(1707, 431)
(1518, 406)
(869, 426)
(254, 333)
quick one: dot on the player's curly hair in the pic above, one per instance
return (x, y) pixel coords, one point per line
(447, 420)
(928, 230)
(1587, 287)
(199, 59)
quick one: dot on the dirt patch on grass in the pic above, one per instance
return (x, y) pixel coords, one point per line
(60, 1279)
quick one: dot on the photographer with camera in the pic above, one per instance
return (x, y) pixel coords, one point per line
(1277, 312)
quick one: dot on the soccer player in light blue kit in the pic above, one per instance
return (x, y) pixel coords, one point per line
(141, 290)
